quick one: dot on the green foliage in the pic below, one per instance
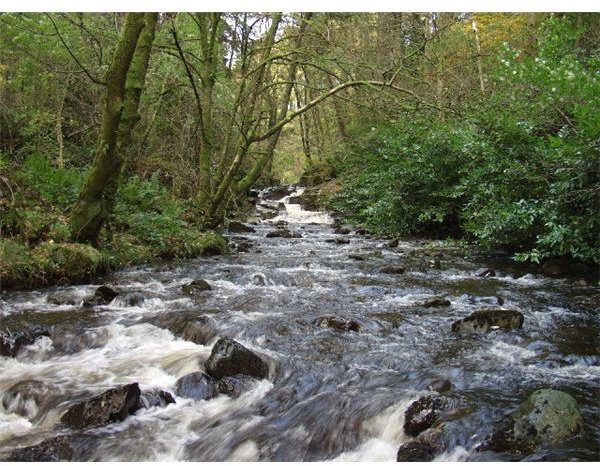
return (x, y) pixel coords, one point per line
(58, 186)
(520, 171)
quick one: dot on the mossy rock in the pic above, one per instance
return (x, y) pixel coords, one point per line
(547, 417)
(208, 243)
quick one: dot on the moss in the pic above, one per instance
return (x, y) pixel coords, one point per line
(15, 262)
(66, 262)
(208, 244)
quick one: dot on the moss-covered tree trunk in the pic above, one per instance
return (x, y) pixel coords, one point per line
(124, 84)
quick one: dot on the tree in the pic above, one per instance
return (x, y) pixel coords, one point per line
(124, 84)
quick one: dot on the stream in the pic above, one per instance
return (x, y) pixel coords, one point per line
(331, 395)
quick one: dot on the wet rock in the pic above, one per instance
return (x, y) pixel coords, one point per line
(489, 319)
(361, 231)
(440, 385)
(423, 413)
(393, 243)
(11, 342)
(190, 326)
(102, 296)
(152, 398)
(434, 263)
(436, 302)
(114, 405)
(392, 269)
(547, 417)
(280, 223)
(356, 257)
(277, 193)
(228, 357)
(239, 227)
(338, 240)
(50, 450)
(62, 298)
(197, 386)
(196, 286)
(341, 230)
(268, 215)
(425, 447)
(235, 386)
(259, 279)
(27, 397)
(338, 323)
(282, 233)
(131, 299)
(485, 272)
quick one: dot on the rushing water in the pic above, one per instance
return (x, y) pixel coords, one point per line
(332, 395)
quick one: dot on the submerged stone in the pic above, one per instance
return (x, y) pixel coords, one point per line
(50, 450)
(196, 286)
(337, 323)
(490, 319)
(197, 386)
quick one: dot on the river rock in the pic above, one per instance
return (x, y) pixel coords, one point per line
(239, 227)
(341, 230)
(26, 397)
(425, 447)
(485, 272)
(196, 286)
(338, 240)
(277, 193)
(61, 298)
(356, 257)
(281, 233)
(197, 386)
(392, 269)
(102, 296)
(190, 326)
(11, 342)
(440, 385)
(436, 302)
(547, 417)
(338, 323)
(114, 405)
(235, 386)
(134, 298)
(228, 357)
(393, 243)
(50, 450)
(489, 319)
(423, 413)
(152, 398)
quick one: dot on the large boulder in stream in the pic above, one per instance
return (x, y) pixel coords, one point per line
(337, 323)
(283, 233)
(423, 413)
(228, 357)
(489, 319)
(239, 227)
(190, 326)
(196, 286)
(425, 447)
(103, 295)
(50, 450)
(114, 405)
(547, 417)
(197, 386)
(392, 269)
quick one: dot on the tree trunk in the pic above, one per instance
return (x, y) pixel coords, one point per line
(124, 84)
